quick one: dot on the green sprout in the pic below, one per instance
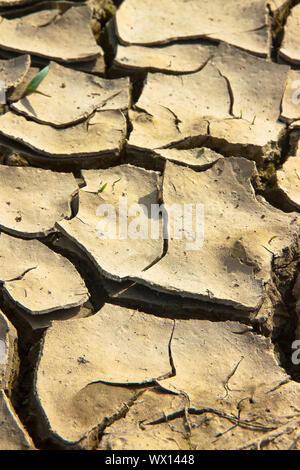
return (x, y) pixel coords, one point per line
(36, 81)
(102, 188)
(110, 9)
(272, 238)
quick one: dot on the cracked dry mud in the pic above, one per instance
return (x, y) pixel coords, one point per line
(172, 341)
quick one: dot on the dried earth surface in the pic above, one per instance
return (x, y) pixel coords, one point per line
(149, 225)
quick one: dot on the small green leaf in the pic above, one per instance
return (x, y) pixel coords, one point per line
(110, 9)
(102, 188)
(29, 91)
(241, 114)
(272, 238)
(36, 81)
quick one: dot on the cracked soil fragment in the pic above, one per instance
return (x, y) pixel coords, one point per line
(288, 182)
(13, 71)
(175, 58)
(290, 101)
(50, 34)
(132, 432)
(116, 346)
(255, 99)
(234, 262)
(209, 380)
(33, 276)
(179, 376)
(104, 241)
(73, 96)
(103, 133)
(200, 158)
(12, 433)
(32, 199)
(290, 47)
(223, 397)
(222, 106)
(172, 108)
(240, 23)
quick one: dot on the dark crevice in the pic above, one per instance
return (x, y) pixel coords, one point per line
(129, 129)
(172, 364)
(177, 121)
(59, 164)
(265, 185)
(74, 205)
(161, 256)
(137, 82)
(230, 417)
(21, 276)
(285, 147)
(154, 161)
(230, 92)
(95, 436)
(277, 23)
(118, 2)
(59, 244)
(163, 227)
(144, 159)
(28, 348)
(284, 274)
(166, 305)
(222, 146)
(36, 6)
(108, 43)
